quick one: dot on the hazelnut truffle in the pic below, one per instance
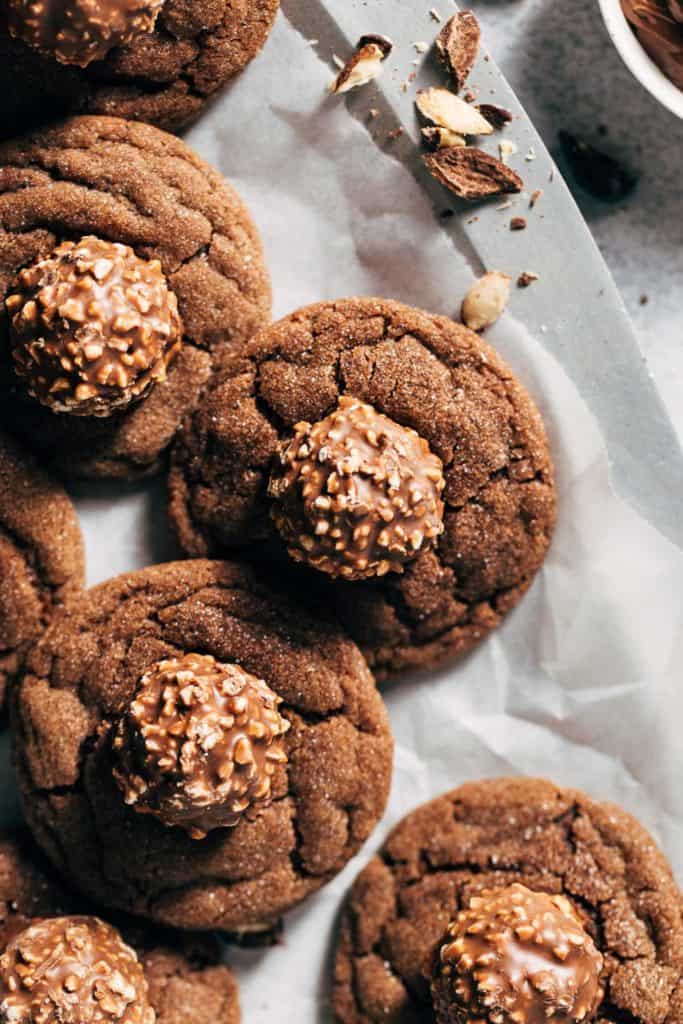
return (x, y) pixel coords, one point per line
(93, 327)
(72, 970)
(517, 957)
(199, 744)
(80, 31)
(356, 495)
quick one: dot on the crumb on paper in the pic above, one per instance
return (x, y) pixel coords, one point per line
(644, 299)
(530, 155)
(420, 46)
(535, 196)
(442, 138)
(434, 14)
(499, 117)
(472, 174)
(505, 206)
(364, 65)
(458, 46)
(526, 278)
(507, 148)
(443, 108)
(518, 224)
(486, 300)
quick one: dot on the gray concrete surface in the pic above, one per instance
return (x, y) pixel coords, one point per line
(560, 60)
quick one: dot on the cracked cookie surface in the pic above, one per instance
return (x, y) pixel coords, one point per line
(424, 372)
(41, 555)
(185, 977)
(325, 800)
(164, 77)
(129, 183)
(487, 835)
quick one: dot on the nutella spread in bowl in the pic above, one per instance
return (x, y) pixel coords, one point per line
(658, 24)
(648, 35)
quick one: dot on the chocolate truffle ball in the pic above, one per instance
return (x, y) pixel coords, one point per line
(356, 495)
(93, 327)
(80, 31)
(517, 957)
(72, 970)
(199, 744)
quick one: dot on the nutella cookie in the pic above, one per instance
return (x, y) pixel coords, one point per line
(513, 901)
(103, 972)
(391, 451)
(41, 555)
(221, 752)
(128, 266)
(148, 60)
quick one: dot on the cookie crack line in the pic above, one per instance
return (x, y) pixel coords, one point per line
(47, 164)
(30, 557)
(592, 908)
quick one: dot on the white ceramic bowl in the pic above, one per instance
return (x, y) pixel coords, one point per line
(637, 60)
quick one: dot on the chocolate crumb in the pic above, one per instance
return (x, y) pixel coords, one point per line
(518, 224)
(458, 45)
(472, 174)
(526, 278)
(497, 116)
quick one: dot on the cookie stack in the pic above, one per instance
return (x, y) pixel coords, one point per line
(200, 746)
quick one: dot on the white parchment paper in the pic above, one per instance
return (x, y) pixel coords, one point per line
(583, 682)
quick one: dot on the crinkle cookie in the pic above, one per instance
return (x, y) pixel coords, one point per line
(196, 748)
(128, 266)
(179, 978)
(513, 900)
(390, 450)
(41, 555)
(157, 61)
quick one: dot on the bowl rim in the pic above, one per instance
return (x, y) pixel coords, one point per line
(637, 60)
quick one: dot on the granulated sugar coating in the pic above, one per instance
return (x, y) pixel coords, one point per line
(325, 798)
(185, 979)
(132, 184)
(41, 554)
(488, 835)
(424, 372)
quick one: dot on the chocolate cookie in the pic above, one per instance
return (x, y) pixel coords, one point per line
(167, 694)
(185, 978)
(460, 567)
(611, 890)
(163, 75)
(41, 555)
(86, 208)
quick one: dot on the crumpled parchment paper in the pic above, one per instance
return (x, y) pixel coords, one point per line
(583, 683)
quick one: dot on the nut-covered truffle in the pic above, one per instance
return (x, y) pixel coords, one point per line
(72, 970)
(80, 31)
(93, 327)
(199, 744)
(356, 495)
(517, 957)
